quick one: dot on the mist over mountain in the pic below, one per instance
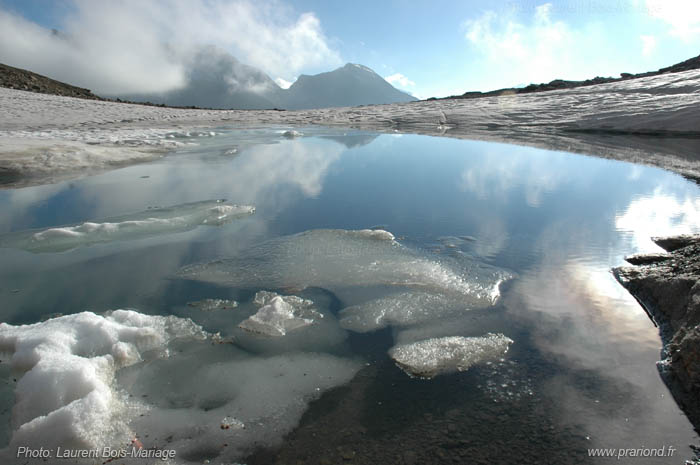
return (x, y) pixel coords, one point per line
(215, 79)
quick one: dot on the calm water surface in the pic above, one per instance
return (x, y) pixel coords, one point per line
(581, 371)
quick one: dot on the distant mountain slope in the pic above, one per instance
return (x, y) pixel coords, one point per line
(21, 79)
(351, 85)
(557, 84)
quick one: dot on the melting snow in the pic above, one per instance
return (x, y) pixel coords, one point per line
(66, 367)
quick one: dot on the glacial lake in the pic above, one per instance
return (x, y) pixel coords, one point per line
(488, 239)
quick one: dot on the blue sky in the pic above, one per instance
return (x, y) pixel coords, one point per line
(432, 48)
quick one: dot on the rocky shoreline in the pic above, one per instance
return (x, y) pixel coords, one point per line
(667, 285)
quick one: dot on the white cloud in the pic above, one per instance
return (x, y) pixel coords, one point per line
(135, 46)
(400, 79)
(648, 44)
(283, 83)
(683, 16)
(539, 51)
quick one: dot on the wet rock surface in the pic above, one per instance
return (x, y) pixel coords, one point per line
(668, 287)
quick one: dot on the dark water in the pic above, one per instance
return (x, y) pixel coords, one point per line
(581, 373)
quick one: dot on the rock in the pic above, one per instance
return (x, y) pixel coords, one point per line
(647, 259)
(668, 287)
(673, 243)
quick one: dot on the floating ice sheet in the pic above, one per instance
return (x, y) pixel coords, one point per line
(431, 357)
(280, 314)
(155, 221)
(66, 368)
(343, 261)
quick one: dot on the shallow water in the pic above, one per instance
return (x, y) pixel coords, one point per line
(466, 216)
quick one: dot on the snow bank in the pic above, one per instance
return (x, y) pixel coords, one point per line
(155, 221)
(667, 104)
(431, 357)
(66, 368)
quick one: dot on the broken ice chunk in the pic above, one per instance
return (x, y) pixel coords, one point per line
(279, 314)
(230, 422)
(410, 307)
(431, 357)
(291, 134)
(210, 305)
(155, 221)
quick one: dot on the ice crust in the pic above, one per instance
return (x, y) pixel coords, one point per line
(155, 221)
(65, 395)
(432, 357)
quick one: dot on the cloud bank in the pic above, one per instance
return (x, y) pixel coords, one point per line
(145, 47)
(682, 17)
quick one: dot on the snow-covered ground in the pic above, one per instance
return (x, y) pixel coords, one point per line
(653, 120)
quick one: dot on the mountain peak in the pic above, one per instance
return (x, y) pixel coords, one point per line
(355, 66)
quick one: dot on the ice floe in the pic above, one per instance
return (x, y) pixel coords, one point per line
(65, 394)
(432, 357)
(347, 261)
(280, 314)
(155, 221)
